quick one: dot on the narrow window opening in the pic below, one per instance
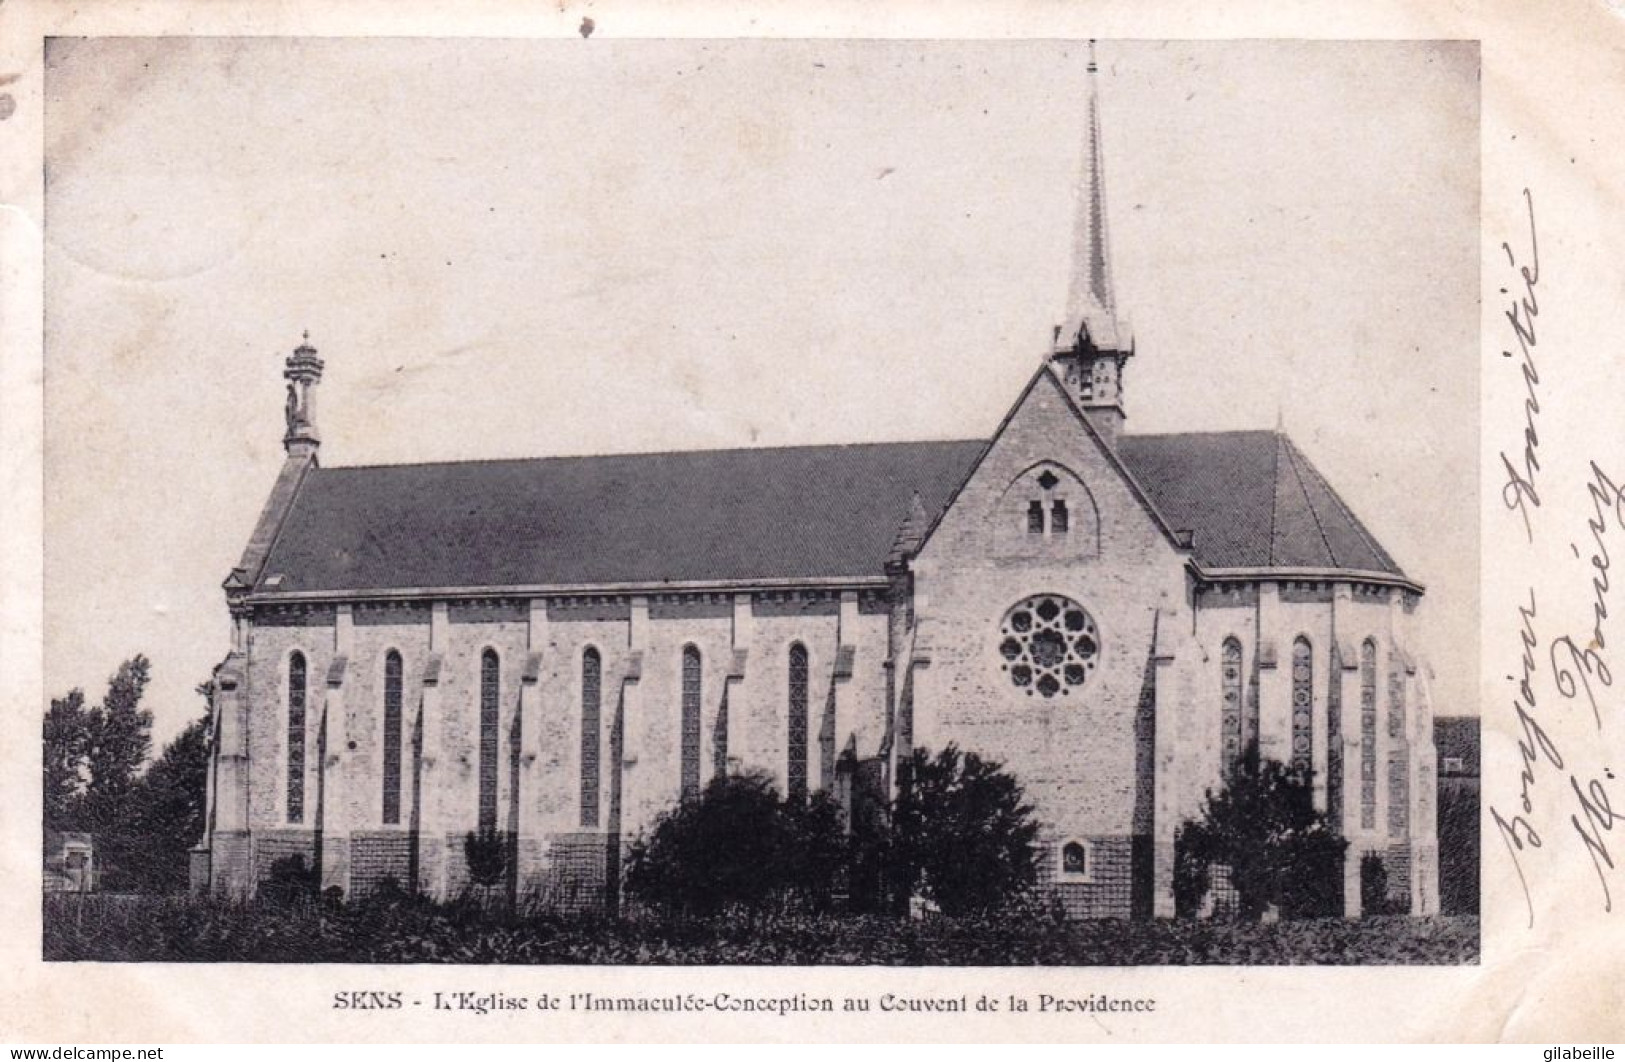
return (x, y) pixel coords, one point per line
(1368, 735)
(1303, 676)
(1230, 711)
(392, 738)
(1035, 517)
(591, 727)
(296, 738)
(691, 723)
(796, 739)
(1059, 519)
(490, 674)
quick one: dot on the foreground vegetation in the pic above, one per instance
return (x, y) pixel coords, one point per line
(177, 929)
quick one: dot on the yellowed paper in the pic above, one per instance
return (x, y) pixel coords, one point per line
(617, 229)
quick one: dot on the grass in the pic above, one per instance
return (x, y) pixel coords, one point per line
(181, 929)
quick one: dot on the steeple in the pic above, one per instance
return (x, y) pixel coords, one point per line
(303, 371)
(1093, 341)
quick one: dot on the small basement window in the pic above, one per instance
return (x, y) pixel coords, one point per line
(1077, 862)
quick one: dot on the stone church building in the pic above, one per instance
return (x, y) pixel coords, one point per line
(560, 649)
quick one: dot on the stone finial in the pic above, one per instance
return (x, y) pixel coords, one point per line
(303, 371)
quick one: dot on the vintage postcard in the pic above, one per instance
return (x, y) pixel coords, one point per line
(595, 523)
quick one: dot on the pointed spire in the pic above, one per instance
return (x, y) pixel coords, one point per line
(1091, 303)
(1093, 342)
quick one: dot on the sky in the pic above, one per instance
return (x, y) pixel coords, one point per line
(526, 248)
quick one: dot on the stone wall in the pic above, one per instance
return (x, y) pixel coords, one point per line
(744, 645)
(1083, 754)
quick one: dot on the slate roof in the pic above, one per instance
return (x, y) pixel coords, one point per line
(712, 515)
(787, 514)
(1253, 501)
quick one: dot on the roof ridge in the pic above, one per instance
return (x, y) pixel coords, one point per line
(653, 453)
(1292, 456)
(1193, 434)
(1354, 521)
(1275, 494)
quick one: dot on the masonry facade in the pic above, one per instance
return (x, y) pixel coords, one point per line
(558, 650)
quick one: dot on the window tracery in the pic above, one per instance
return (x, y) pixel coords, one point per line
(490, 700)
(591, 733)
(1048, 645)
(795, 783)
(1230, 709)
(297, 676)
(1303, 679)
(691, 723)
(392, 739)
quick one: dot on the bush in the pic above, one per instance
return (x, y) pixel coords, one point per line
(290, 881)
(738, 846)
(487, 856)
(960, 835)
(1190, 876)
(176, 929)
(1373, 886)
(1280, 851)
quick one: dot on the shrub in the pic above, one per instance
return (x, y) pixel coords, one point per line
(738, 846)
(487, 856)
(1280, 851)
(291, 881)
(960, 835)
(178, 929)
(1373, 885)
(1190, 876)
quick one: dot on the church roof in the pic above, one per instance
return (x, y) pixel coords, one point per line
(786, 515)
(1253, 501)
(793, 513)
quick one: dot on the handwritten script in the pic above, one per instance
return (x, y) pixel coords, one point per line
(1555, 673)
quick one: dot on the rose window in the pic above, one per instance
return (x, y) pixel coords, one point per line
(1048, 645)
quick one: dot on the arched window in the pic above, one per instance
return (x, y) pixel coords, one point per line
(1399, 787)
(296, 737)
(490, 705)
(1046, 508)
(591, 726)
(1368, 735)
(795, 775)
(691, 722)
(1230, 709)
(1303, 706)
(1334, 741)
(392, 738)
(1075, 860)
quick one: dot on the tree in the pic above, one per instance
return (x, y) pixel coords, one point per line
(65, 759)
(960, 834)
(1280, 851)
(119, 740)
(168, 806)
(739, 847)
(120, 737)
